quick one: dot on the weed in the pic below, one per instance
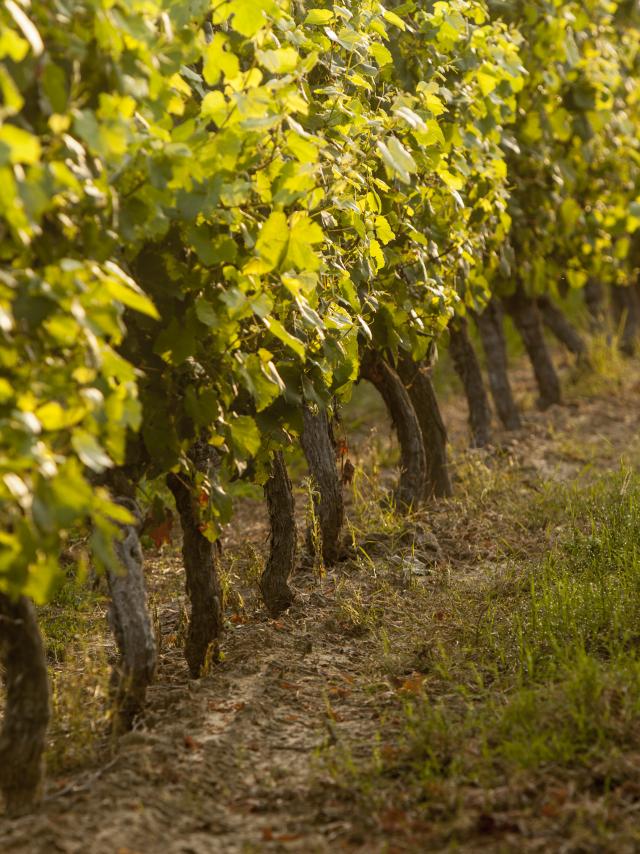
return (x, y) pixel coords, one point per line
(357, 615)
(66, 616)
(533, 670)
(74, 737)
(314, 531)
(605, 369)
(375, 518)
(566, 643)
(228, 576)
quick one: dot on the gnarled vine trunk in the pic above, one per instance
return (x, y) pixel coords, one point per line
(413, 464)
(526, 316)
(467, 367)
(274, 585)
(557, 323)
(594, 300)
(626, 314)
(321, 458)
(417, 380)
(491, 329)
(26, 708)
(201, 568)
(131, 624)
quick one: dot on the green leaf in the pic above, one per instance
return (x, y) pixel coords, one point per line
(263, 387)
(381, 54)
(177, 342)
(218, 61)
(53, 416)
(122, 288)
(205, 312)
(570, 211)
(249, 16)
(319, 17)
(377, 254)
(394, 19)
(283, 60)
(397, 158)
(304, 235)
(487, 80)
(276, 328)
(29, 30)
(271, 244)
(18, 146)
(245, 435)
(90, 451)
(383, 230)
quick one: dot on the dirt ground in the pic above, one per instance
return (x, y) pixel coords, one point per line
(244, 760)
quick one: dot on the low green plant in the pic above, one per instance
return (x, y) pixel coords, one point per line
(542, 668)
(314, 531)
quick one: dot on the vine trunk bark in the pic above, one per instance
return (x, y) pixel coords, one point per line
(26, 708)
(557, 323)
(626, 314)
(274, 586)
(465, 362)
(491, 329)
(319, 450)
(594, 300)
(526, 316)
(417, 380)
(413, 464)
(200, 560)
(132, 626)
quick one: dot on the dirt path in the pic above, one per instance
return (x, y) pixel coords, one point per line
(238, 761)
(227, 763)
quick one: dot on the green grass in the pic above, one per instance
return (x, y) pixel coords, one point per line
(68, 616)
(553, 676)
(77, 643)
(530, 670)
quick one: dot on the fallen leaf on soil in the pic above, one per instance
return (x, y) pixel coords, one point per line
(336, 691)
(413, 685)
(549, 810)
(392, 819)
